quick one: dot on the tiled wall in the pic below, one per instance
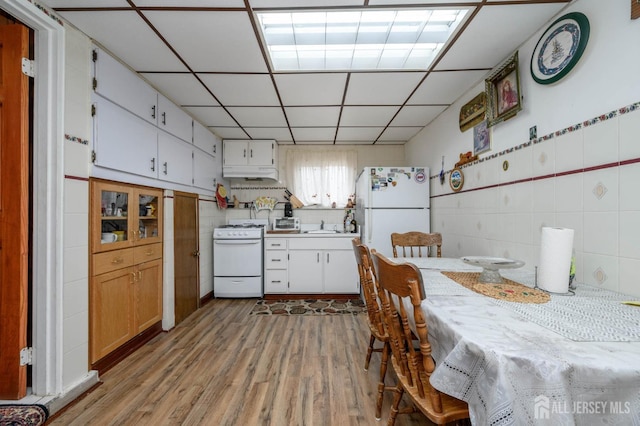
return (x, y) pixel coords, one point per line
(76, 210)
(583, 177)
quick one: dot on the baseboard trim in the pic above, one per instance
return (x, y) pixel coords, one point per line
(103, 365)
(339, 296)
(60, 402)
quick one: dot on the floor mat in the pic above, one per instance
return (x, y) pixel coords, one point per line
(309, 307)
(23, 415)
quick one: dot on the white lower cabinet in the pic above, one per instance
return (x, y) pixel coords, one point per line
(313, 266)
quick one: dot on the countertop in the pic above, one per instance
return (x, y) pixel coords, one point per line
(290, 234)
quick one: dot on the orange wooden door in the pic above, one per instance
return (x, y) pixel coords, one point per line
(186, 260)
(14, 209)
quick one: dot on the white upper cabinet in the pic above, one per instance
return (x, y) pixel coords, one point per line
(122, 141)
(205, 170)
(204, 139)
(119, 84)
(250, 152)
(175, 158)
(174, 120)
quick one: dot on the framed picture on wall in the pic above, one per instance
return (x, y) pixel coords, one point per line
(481, 138)
(503, 92)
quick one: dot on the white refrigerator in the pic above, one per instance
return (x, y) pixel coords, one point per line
(391, 199)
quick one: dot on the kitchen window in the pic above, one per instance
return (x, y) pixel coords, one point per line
(322, 178)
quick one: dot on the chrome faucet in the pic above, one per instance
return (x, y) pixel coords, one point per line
(321, 224)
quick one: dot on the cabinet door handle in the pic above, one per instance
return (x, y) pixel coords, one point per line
(149, 252)
(117, 260)
(317, 257)
(214, 148)
(165, 167)
(251, 153)
(164, 118)
(153, 164)
(276, 245)
(276, 281)
(327, 257)
(139, 275)
(276, 260)
(153, 112)
(133, 278)
(244, 153)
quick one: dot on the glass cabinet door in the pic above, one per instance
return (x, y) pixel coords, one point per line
(114, 216)
(149, 215)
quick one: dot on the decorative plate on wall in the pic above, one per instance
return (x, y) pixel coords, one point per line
(456, 179)
(560, 47)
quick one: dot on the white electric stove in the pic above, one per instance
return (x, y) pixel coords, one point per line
(237, 258)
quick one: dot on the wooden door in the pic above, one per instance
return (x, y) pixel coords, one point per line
(14, 209)
(111, 300)
(148, 294)
(186, 254)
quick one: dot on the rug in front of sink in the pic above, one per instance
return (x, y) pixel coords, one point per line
(309, 307)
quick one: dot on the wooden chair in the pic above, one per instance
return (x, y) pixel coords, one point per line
(374, 312)
(401, 289)
(420, 241)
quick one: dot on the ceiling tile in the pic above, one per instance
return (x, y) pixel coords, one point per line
(190, 3)
(280, 134)
(230, 132)
(311, 89)
(484, 43)
(314, 134)
(381, 88)
(211, 41)
(399, 133)
(358, 134)
(183, 89)
(128, 37)
(313, 116)
(445, 87)
(242, 89)
(367, 115)
(258, 116)
(307, 3)
(390, 142)
(417, 115)
(83, 3)
(416, 2)
(211, 116)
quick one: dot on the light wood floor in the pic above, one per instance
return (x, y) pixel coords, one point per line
(222, 366)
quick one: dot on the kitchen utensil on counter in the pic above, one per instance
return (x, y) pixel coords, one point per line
(295, 202)
(288, 210)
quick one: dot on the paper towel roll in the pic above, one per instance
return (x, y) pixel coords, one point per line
(556, 246)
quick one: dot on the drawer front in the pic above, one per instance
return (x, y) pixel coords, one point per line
(112, 260)
(275, 259)
(275, 243)
(147, 252)
(329, 243)
(275, 281)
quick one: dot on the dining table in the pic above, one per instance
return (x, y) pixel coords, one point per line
(565, 359)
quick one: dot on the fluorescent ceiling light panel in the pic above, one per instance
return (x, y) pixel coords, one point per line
(407, 39)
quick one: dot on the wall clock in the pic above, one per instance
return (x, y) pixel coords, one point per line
(560, 47)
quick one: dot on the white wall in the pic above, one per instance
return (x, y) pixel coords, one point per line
(577, 174)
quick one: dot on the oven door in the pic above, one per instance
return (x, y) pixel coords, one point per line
(237, 258)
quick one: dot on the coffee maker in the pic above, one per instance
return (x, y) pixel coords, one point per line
(288, 210)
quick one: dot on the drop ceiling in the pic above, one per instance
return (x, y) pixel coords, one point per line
(208, 57)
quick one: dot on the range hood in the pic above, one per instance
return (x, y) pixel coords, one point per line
(250, 172)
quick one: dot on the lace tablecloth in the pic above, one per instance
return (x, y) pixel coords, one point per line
(518, 363)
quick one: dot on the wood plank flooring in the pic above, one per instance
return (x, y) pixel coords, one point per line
(222, 366)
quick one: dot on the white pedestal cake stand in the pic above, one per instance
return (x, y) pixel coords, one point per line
(490, 267)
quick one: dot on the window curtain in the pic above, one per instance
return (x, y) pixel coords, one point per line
(322, 177)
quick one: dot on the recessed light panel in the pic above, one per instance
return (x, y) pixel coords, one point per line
(369, 39)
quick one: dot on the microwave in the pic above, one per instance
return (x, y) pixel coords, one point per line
(286, 224)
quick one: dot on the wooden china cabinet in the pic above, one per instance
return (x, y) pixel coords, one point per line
(125, 292)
